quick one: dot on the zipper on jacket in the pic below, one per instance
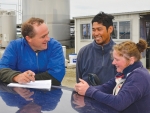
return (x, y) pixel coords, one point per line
(103, 56)
(37, 61)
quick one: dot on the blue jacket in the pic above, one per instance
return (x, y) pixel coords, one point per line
(96, 59)
(47, 100)
(20, 57)
(134, 93)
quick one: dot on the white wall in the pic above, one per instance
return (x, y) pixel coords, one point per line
(79, 43)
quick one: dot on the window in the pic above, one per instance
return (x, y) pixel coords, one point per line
(114, 33)
(85, 31)
(124, 30)
(148, 30)
(121, 30)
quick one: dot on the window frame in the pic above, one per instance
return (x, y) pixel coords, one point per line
(118, 30)
(82, 34)
(117, 39)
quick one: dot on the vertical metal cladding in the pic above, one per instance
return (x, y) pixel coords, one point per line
(7, 27)
(56, 14)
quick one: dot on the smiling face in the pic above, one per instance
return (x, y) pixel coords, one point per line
(120, 61)
(39, 41)
(100, 34)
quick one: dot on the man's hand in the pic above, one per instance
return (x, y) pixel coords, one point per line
(25, 77)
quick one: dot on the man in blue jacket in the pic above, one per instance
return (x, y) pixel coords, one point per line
(34, 57)
(95, 57)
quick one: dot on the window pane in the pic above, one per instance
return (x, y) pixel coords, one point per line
(85, 31)
(124, 30)
(147, 24)
(114, 33)
(148, 30)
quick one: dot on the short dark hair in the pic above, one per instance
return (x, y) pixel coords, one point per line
(27, 28)
(104, 19)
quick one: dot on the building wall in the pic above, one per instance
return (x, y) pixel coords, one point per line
(56, 16)
(79, 43)
(7, 27)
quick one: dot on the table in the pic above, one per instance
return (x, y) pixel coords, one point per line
(59, 99)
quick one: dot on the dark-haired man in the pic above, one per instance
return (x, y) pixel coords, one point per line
(95, 57)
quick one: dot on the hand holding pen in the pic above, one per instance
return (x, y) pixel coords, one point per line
(24, 77)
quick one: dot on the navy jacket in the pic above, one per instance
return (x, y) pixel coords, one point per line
(135, 92)
(96, 59)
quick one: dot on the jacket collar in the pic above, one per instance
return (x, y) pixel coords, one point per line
(130, 68)
(26, 43)
(105, 48)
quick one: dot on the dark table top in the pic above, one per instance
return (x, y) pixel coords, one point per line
(59, 99)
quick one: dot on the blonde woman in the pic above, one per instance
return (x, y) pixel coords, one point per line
(130, 87)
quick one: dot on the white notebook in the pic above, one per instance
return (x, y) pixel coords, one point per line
(38, 84)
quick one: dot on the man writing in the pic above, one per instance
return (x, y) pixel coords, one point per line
(34, 57)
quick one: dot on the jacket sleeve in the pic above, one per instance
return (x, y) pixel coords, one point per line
(56, 62)
(107, 87)
(7, 74)
(8, 63)
(9, 58)
(131, 91)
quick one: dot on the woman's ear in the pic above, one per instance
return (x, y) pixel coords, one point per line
(132, 60)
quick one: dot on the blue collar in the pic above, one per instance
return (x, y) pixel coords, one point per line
(106, 48)
(130, 68)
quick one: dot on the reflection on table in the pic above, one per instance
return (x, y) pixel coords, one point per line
(88, 105)
(30, 100)
(59, 99)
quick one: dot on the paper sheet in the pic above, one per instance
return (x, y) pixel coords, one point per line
(38, 84)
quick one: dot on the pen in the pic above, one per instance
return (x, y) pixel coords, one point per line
(30, 74)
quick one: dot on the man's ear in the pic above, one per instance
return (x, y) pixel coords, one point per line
(28, 39)
(110, 29)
